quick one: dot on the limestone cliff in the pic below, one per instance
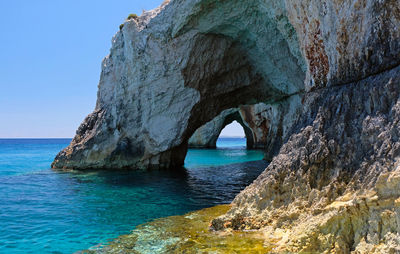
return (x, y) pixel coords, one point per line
(328, 73)
(168, 75)
(176, 68)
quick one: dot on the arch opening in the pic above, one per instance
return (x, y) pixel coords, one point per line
(232, 136)
(227, 139)
(207, 135)
(232, 130)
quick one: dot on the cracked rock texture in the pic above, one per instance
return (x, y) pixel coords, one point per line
(335, 185)
(179, 66)
(315, 83)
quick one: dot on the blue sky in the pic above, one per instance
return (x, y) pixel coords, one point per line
(50, 62)
(234, 129)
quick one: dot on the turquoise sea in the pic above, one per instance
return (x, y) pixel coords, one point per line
(42, 211)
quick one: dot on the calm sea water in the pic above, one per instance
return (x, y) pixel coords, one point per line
(42, 211)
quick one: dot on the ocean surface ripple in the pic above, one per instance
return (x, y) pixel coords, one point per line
(42, 211)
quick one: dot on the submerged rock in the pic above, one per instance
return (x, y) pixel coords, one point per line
(185, 234)
(326, 71)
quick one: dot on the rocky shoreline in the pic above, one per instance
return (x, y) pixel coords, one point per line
(185, 234)
(327, 77)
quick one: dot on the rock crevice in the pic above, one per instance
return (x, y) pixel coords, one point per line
(334, 184)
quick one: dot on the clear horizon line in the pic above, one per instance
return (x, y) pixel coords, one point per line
(72, 137)
(231, 137)
(34, 138)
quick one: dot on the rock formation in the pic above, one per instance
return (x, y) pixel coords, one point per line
(261, 123)
(168, 74)
(206, 136)
(335, 185)
(329, 73)
(176, 68)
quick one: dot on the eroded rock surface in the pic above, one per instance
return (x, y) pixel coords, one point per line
(316, 81)
(176, 68)
(335, 185)
(167, 76)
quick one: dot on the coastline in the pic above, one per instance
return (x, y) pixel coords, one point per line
(188, 233)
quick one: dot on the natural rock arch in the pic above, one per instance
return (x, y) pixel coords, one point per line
(177, 67)
(167, 76)
(207, 135)
(322, 77)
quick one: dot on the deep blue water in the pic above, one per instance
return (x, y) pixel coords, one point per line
(42, 211)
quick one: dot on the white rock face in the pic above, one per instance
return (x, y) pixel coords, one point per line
(179, 66)
(164, 79)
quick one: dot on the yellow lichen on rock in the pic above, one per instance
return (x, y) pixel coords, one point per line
(353, 223)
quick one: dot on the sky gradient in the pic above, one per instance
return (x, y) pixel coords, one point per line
(51, 62)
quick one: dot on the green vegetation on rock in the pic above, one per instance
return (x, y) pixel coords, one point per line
(133, 16)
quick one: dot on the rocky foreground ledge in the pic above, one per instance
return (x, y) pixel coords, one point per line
(327, 75)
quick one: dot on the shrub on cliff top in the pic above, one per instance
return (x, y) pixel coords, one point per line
(133, 16)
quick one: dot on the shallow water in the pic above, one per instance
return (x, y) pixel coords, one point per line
(188, 234)
(42, 211)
